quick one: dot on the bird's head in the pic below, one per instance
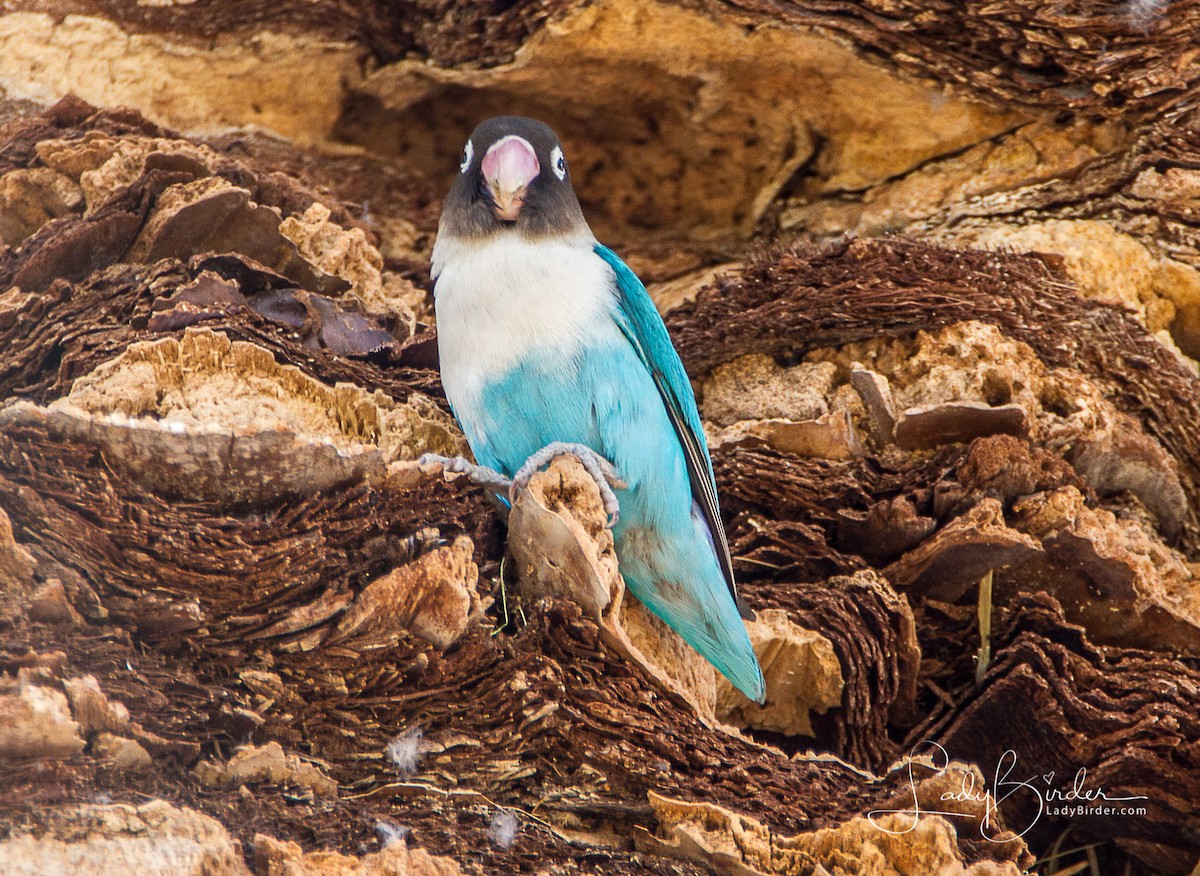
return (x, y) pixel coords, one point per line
(513, 177)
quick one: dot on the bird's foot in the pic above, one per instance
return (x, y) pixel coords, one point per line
(601, 470)
(490, 479)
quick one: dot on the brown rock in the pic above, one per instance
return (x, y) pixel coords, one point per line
(933, 425)
(949, 563)
(1126, 458)
(876, 397)
(1122, 585)
(49, 604)
(16, 571)
(886, 530)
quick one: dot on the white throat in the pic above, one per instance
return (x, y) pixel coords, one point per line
(505, 298)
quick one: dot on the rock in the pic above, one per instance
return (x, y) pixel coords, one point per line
(884, 844)
(754, 387)
(16, 571)
(49, 605)
(153, 838)
(92, 709)
(348, 255)
(830, 436)
(266, 764)
(35, 723)
(29, 198)
(41, 61)
(929, 426)
(273, 857)
(563, 548)
(953, 560)
(180, 415)
(1110, 575)
(876, 397)
(331, 594)
(802, 672)
(432, 598)
(124, 755)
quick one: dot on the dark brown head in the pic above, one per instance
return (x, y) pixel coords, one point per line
(513, 177)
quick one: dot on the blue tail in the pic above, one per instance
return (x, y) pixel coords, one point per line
(678, 578)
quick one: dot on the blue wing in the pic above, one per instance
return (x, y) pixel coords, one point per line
(641, 324)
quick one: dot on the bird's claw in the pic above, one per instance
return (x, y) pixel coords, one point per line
(601, 470)
(449, 463)
(485, 477)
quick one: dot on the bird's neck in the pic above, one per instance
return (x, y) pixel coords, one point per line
(504, 244)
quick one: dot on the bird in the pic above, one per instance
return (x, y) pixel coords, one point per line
(549, 344)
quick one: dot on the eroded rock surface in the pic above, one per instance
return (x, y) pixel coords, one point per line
(217, 553)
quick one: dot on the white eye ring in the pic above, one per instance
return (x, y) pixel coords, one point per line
(558, 163)
(468, 154)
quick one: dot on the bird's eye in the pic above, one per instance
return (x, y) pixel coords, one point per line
(468, 154)
(559, 163)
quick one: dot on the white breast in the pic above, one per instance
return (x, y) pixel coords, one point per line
(502, 299)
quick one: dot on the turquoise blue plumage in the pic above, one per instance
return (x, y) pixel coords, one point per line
(546, 336)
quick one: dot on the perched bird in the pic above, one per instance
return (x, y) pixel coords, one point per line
(549, 344)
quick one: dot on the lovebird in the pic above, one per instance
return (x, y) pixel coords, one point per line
(550, 344)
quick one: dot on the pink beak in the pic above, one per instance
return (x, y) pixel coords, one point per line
(509, 166)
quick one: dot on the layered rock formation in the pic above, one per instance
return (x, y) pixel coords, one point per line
(242, 629)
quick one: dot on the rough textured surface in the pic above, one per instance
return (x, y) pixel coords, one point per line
(152, 838)
(218, 559)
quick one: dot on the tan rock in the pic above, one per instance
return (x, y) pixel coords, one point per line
(431, 597)
(965, 182)
(347, 254)
(966, 362)
(274, 857)
(1179, 284)
(104, 165)
(829, 436)
(754, 387)
(884, 845)
(31, 197)
(92, 709)
(120, 753)
(179, 415)
(269, 764)
(16, 571)
(561, 546)
(230, 82)
(559, 542)
(802, 672)
(154, 839)
(35, 723)
(736, 112)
